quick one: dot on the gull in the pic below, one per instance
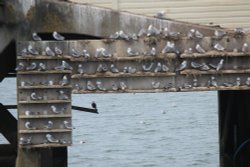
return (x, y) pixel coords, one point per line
(170, 47)
(58, 51)
(80, 69)
(213, 81)
(156, 85)
(147, 67)
(114, 86)
(64, 66)
(58, 36)
(133, 37)
(20, 67)
(227, 84)
(41, 67)
(115, 35)
(188, 51)
(32, 66)
(158, 67)
(199, 49)
(131, 70)
(122, 35)
(220, 65)
(32, 51)
(23, 52)
(152, 52)
(29, 126)
(64, 81)
(245, 48)
(33, 96)
(105, 53)
(49, 52)
(28, 113)
(195, 65)
(113, 69)
(219, 33)
(237, 81)
(195, 82)
(198, 34)
(182, 66)
(102, 68)
(165, 32)
(51, 139)
(125, 69)
(219, 47)
(204, 67)
(49, 125)
(62, 95)
(98, 53)
(123, 86)
(93, 105)
(239, 31)
(90, 86)
(85, 53)
(24, 141)
(152, 30)
(142, 32)
(77, 87)
(164, 68)
(75, 53)
(187, 86)
(191, 34)
(174, 35)
(67, 124)
(168, 86)
(131, 52)
(99, 86)
(55, 110)
(160, 14)
(27, 83)
(248, 81)
(35, 37)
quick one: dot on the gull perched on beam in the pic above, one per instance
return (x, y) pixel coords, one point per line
(55, 110)
(31, 67)
(113, 69)
(64, 81)
(219, 47)
(99, 86)
(182, 66)
(58, 51)
(147, 67)
(35, 37)
(51, 139)
(245, 48)
(49, 52)
(32, 51)
(199, 49)
(58, 36)
(131, 52)
(41, 67)
(20, 67)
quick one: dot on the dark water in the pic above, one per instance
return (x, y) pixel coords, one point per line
(142, 130)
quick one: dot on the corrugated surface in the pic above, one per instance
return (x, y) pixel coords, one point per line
(228, 13)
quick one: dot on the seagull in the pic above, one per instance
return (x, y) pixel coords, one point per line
(191, 34)
(199, 49)
(80, 69)
(41, 67)
(219, 33)
(204, 67)
(32, 66)
(240, 31)
(152, 30)
(195, 65)
(58, 51)
(195, 82)
(63, 66)
(33, 96)
(237, 81)
(105, 53)
(63, 96)
(58, 36)
(32, 51)
(75, 53)
(29, 126)
(98, 53)
(188, 51)
(219, 47)
(165, 32)
(147, 67)
(213, 81)
(168, 86)
(198, 34)
(93, 105)
(114, 86)
(131, 52)
(64, 81)
(113, 69)
(160, 14)
(20, 67)
(152, 52)
(36, 37)
(24, 141)
(187, 86)
(57, 111)
(49, 125)
(220, 65)
(28, 113)
(245, 48)
(67, 124)
(125, 69)
(228, 84)
(174, 35)
(182, 66)
(102, 68)
(248, 81)
(158, 67)
(49, 52)
(156, 85)
(23, 52)
(164, 68)
(131, 70)
(99, 86)
(77, 87)
(51, 139)
(123, 86)
(122, 35)
(133, 37)
(85, 53)
(169, 48)
(142, 32)
(90, 86)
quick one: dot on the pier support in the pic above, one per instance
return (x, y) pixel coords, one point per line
(234, 128)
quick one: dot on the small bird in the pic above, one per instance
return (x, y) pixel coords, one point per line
(195, 65)
(122, 35)
(28, 113)
(58, 51)
(165, 32)
(55, 110)
(34, 96)
(49, 52)
(31, 67)
(20, 67)
(187, 86)
(23, 52)
(188, 51)
(248, 81)
(90, 86)
(24, 141)
(238, 83)
(29, 126)
(227, 84)
(220, 65)
(156, 85)
(64, 81)
(182, 66)
(114, 86)
(98, 53)
(133, 37)
(77, 87)
(147, 67)
(41, 67)
(131, 70)
(85, 53)
(160, 14)
(62, 95)
(67, 124)
(219, 33)
(152, 52)
(123, 86)
(168, 86)
(51, 139)
(219, 47)
(158, 67)
(99, 86)
(125, 69)
(58, 36)
(105, 53)
(199, 49)
(113, 69)
(198, 34)
(245, 48)
(35, 37)
(164, 68)
(213, 82)
(102, 68)
(80, 69)
(63, 66)
(169, 48)
(49, 125)
(131, 52)
(204, 67)
(75, 53)
(32, 51)
(195, 82)
(151, 31)
(93, 105)
(191, 34)
(174, 35)
(239, 31)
